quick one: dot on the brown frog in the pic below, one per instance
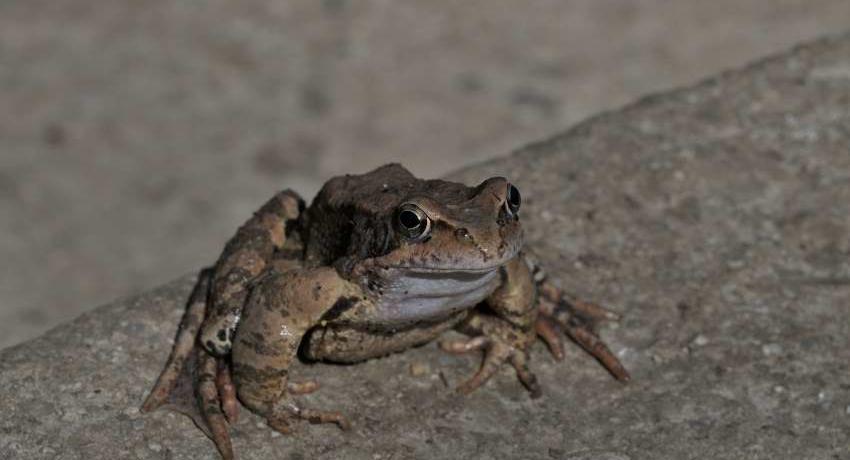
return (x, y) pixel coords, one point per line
(378, 263)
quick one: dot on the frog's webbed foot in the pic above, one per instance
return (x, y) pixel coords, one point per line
(501, 344)
(578, 320)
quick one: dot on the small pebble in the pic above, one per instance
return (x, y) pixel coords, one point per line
(771, 349)
(700, 340)
(418, 369)
(154, 447)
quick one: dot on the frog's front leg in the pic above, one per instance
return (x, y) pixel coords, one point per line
(506, 334)
(280, 311)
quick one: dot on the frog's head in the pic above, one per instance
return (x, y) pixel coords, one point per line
(445, 226)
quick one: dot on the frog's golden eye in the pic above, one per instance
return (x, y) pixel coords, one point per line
(412, 222)
(513, 200)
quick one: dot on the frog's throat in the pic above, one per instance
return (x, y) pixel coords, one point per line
(414, 295)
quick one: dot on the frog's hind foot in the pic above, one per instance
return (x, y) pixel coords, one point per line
(177, 365)
(578, 320)
(287, 412)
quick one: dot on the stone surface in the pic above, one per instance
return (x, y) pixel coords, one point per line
(135, 136)
(715, 218)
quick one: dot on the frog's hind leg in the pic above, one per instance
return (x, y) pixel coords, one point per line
(578, 320)
(245, 257)
(181, 361)
(278, 314)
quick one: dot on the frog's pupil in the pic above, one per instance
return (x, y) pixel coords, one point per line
(409, 219)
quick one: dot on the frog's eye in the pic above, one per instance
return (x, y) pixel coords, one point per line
(412, 222)
(513, 200)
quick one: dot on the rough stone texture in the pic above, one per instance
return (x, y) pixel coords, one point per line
(716, 218)
(135, 136)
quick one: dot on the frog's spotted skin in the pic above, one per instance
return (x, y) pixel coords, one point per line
(378, 263)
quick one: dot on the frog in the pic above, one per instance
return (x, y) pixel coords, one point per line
(377, 264)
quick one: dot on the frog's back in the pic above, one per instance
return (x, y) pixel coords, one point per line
(376, 192)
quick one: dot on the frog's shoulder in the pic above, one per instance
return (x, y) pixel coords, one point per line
(381, 190)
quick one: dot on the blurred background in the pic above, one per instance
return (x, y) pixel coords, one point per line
(135, 136)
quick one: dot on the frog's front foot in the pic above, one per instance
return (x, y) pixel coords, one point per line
(578, 319)
(502, 343)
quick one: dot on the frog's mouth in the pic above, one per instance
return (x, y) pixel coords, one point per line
(451, 272)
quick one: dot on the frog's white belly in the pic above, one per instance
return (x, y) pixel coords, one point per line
(413, 296)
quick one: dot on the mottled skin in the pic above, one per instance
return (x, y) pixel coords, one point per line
(378, 263)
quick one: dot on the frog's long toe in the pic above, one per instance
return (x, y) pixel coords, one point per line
(302, 388)
(578, 320)
(227, 392)
(572, 306)
(551, 334)
(211, 405)
(288, 411)
(584, 336)
(320, 416)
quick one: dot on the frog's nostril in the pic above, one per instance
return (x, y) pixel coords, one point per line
(463, 234)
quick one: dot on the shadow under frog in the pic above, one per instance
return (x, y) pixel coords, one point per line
(378, 263)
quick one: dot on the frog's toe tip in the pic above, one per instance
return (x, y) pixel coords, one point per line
(344, 424)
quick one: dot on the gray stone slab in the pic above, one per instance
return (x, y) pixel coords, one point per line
(715, 218)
